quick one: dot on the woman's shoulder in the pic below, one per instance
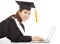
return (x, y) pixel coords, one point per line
(7, 20)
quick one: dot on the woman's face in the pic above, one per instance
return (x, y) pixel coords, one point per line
(24, 14)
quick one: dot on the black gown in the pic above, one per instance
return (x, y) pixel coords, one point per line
(9, 29)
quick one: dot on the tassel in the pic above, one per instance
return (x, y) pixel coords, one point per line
(36, 17)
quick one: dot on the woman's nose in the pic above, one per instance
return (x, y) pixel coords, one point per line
(27, 15)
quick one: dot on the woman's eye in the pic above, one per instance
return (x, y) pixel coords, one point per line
(25, 12)
(29, 13)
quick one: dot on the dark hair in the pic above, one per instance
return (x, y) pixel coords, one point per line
(17, 16)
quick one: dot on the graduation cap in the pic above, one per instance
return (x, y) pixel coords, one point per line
(27, 5)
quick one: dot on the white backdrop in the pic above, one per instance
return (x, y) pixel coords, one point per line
(48, 16)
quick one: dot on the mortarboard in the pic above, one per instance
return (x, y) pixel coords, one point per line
(27, 5)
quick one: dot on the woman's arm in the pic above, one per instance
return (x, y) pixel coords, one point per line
(24, 39)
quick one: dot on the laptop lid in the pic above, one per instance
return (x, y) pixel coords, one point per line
(52, 31)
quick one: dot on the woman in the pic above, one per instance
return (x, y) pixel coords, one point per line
(9, 27)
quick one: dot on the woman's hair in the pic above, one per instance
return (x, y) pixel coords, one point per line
(17, 16)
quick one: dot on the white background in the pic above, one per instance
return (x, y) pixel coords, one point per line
(48, 16)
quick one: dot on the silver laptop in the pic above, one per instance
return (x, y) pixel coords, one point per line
(49, 36)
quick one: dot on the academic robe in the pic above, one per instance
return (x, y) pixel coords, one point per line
(9, 29)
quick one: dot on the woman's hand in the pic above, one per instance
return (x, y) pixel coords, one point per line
(36, 38)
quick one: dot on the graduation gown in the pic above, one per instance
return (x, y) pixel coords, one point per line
(9, 29)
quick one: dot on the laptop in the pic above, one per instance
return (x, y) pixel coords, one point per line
(49, 36)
